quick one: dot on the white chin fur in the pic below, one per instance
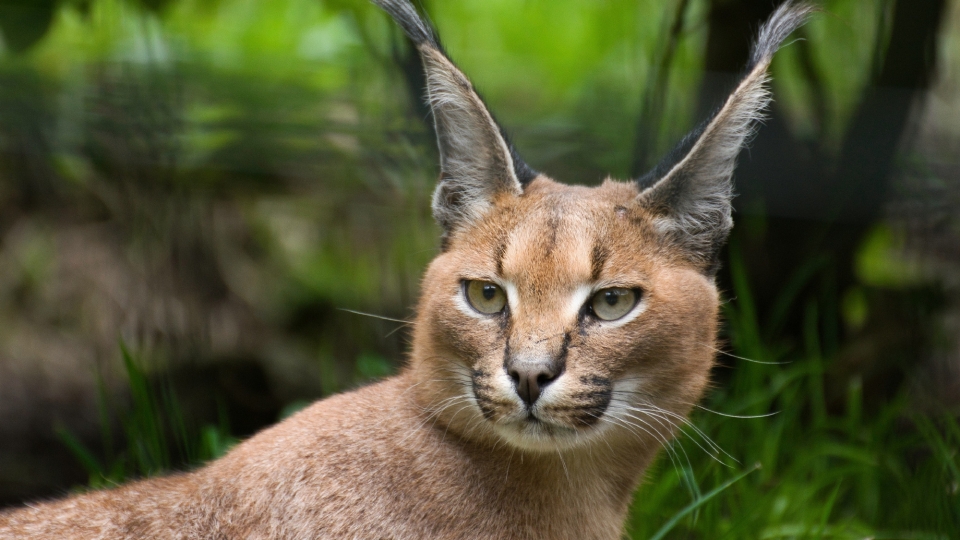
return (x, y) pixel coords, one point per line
(542, 437)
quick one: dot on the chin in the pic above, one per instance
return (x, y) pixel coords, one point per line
(535, 435)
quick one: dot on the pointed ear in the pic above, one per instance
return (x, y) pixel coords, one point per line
(690, 191)
(477, 163)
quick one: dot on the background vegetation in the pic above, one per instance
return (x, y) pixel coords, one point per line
(192, 193)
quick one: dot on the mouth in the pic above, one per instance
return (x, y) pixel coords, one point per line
(548, 424)
(535, 427)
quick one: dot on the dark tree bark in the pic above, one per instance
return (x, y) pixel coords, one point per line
(813, 206)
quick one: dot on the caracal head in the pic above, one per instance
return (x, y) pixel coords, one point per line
(591, 319)
(564, 316)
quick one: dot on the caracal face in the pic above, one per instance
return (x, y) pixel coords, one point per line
(560, 256)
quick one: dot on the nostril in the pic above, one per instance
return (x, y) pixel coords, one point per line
(530, 381)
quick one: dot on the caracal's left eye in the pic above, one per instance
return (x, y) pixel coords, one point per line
(613, 303)
(485, 297)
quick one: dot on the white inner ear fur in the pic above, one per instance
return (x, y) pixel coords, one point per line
(710, 163)
(474, 157)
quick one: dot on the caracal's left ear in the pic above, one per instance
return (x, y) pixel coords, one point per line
(690, 191)
(477, 163)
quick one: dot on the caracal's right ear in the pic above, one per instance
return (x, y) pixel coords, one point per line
(477, 163)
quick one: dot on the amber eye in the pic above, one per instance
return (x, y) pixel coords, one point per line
(485, 297)
(613, 303)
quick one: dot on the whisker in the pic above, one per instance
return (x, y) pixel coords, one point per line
(667, 442)
(742, 417)
(671, 453)
(565, 471)
(745, 359)
(698, 406)
(381, 317)
(717, 449)
(712, 452)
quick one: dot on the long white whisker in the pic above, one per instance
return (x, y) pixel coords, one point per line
(745, 359)
(671, 453)
(381, 317)
(653, 410)
(666, 440)
(741, 417)
(564, 464)
(701, 407)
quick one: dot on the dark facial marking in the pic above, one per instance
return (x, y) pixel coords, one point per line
(598, 257)
(481, 392)
(553, 224)
(499, 253)
(562, 356)
(594, 402)
(506, 354)
(594, 380)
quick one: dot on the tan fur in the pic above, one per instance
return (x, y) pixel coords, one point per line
(413, 457)
(448, 449)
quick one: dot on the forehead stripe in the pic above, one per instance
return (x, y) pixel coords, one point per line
(553, 223)
(499, 254)
(598, 257)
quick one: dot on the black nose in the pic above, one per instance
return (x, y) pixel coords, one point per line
(531, 379)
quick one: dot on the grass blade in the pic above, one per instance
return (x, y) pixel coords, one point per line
(672, 522)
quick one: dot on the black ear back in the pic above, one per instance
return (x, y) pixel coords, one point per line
(477, 163)
(691, 189)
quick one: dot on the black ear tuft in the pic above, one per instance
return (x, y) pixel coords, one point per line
(690, 190)
(406, 16)
(476, 160)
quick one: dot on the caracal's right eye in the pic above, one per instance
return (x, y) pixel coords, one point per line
(485, 297)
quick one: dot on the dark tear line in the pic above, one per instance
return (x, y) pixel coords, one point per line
(506, 355)
(562, 357)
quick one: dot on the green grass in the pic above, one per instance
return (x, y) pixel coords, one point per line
(155, 437)
(823, 473)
